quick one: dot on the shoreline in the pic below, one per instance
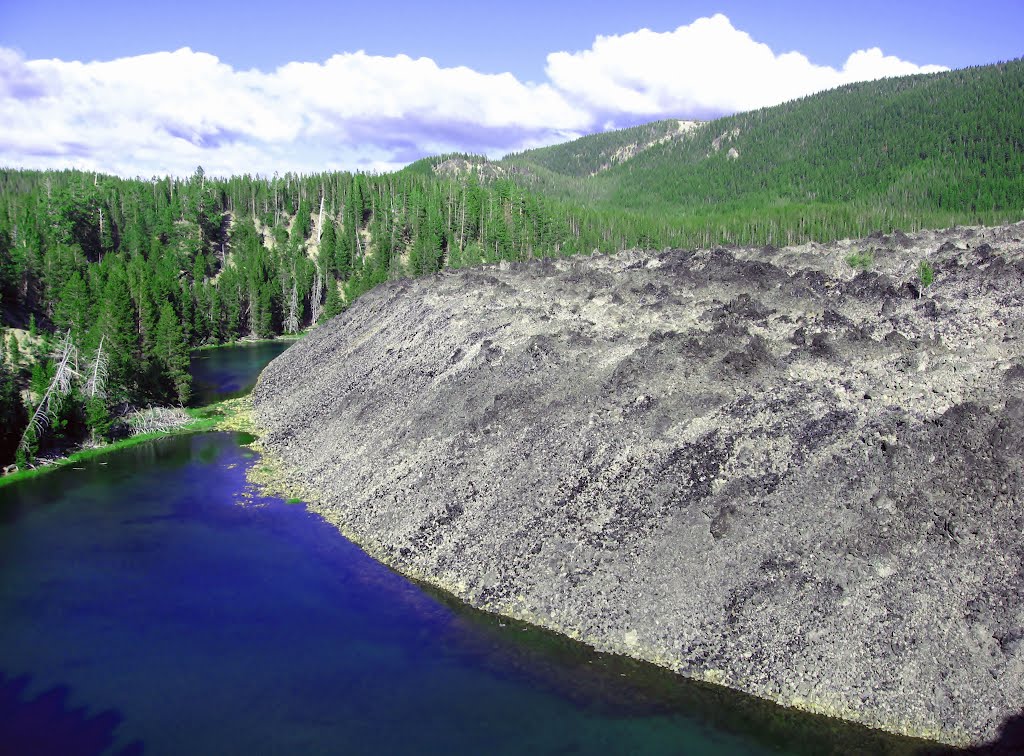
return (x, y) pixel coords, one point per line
(249, 342)
(203, 420)
(273, 477)
(743, 465)
(228, 415)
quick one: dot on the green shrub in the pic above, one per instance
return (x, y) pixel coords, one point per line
(925, 274)
(860, 260)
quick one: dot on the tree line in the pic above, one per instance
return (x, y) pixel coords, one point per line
(131, 274)
(146, 270)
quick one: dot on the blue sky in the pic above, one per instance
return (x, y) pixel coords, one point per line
(265, 87)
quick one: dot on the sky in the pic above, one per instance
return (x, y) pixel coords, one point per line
(143, 89)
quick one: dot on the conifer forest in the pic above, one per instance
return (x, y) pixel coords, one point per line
(107, 283)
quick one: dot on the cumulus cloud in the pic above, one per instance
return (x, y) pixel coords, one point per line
(167, 112)
(706, 69)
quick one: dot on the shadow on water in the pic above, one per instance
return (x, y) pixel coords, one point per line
(152, 601)
(47, 724)
(619, 686)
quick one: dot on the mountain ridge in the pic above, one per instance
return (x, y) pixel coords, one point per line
(189, 262)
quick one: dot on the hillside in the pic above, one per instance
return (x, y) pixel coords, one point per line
(593, 154)
(135, 273)
(909, 152)
(152, 268)
(757, 467)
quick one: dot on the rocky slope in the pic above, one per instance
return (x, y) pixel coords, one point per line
(752, 466)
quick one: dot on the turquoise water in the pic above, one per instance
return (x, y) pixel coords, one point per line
(230, 371)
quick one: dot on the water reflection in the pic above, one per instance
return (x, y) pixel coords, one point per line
(230, 371)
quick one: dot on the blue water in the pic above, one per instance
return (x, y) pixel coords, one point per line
(230, 371)
(152, 603)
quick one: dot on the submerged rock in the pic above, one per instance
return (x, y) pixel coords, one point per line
(757, 467)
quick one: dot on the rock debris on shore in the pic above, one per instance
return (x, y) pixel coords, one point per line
(758, 467)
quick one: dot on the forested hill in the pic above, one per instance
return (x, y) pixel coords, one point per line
(592, 154)
(912, 151)
(139, 271)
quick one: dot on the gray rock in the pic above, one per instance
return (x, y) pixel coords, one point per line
(751, 466)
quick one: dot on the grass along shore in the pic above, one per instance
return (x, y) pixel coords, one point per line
(228, 415)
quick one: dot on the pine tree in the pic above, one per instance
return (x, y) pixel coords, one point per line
(13, 416)
(116, 327)
(96, 375)
(14, 352)
(98, 419)
(73, 306)
(8, 271)
(328, 244)
(171, 352)
(333, 305)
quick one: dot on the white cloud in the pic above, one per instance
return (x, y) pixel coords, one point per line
(167, 112)
(706, 68)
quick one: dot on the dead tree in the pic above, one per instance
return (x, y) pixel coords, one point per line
(157, 419)
(96, 373)
(60, 386)
(317, 297)
(291, 323)
(320, 219)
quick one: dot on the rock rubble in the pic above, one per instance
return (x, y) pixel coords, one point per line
(758, 467)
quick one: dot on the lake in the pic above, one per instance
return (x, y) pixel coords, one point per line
(230, 371)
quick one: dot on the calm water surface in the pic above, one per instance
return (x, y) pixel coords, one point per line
(151, 602)
(230, 371)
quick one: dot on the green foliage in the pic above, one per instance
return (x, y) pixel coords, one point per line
(908, 152)
(8, 278)
(591, 154)
(332, 305)
(116, 324)
(925, 274)
(14, 354)
(171, 352)
(860, 260)
(98, 419)
(13, 416)
(155, 268)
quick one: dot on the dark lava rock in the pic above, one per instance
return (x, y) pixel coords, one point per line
(762, 473)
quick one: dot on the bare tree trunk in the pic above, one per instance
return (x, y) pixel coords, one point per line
(291, 325)
(276, 214)
(316, 300)
(252, 313)
(95, 385)
(320, 220)
(462, 228)
(60, 386)
(156, 419)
